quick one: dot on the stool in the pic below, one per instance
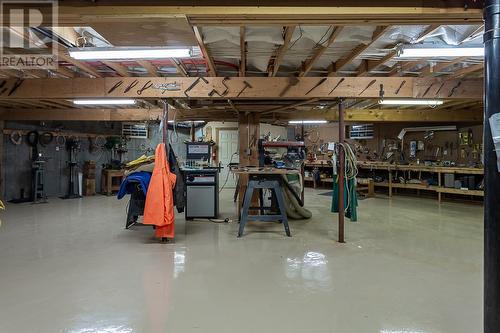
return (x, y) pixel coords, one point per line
(274, 186)
(367, 187)
(111, 180)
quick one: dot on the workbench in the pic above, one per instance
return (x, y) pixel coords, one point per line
(407, 170)
(263, 178)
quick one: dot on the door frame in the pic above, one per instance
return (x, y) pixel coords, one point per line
(217, 130)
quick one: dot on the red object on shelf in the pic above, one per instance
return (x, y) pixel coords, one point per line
(284, 144)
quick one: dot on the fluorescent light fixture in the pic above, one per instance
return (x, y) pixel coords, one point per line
(430, 102)
(436, 52)
(104, 101)
(308, 122)
(113, 53)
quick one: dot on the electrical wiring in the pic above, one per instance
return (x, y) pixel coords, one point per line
(320, 42)
(174, 133)
(227, 176)
(295, 41)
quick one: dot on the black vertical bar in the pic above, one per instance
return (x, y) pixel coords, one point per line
(491, 174)
(341, 171)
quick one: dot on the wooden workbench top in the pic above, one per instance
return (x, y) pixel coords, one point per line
(403, 167)
(264, 171)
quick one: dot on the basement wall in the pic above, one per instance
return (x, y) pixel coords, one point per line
(17, 158)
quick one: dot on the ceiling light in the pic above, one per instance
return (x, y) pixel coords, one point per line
(308, 122)
(103, 101)
(430, 102)
(102, 53)
(436, 52)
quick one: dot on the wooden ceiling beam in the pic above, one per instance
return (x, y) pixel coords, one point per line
(466, 70)
(402, 67)
(390, 115)
(379, 31)
(280, 52)
(79, 64)
(260, 88)
(319, 50)
(374, 64)
(291, 106)
(427, 33)
(149, 67)
(353, 115)
(431, 70)
(181, 70)
(73, 13)
(118, 68)
(81, 114)
(204, 50)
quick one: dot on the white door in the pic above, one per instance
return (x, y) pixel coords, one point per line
(227, 147)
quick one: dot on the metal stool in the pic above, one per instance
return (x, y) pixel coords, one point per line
(263, 183)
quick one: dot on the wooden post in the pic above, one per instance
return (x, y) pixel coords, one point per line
(341, 171)
(248, 136)
(193, 138)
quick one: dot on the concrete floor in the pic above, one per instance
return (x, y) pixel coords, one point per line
(409, 266)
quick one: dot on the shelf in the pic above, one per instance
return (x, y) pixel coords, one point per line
(283, 144)
(414, 186)
(317, 165)
(419, 168)
(477, 193)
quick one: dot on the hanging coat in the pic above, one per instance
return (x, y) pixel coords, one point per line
(159, 207)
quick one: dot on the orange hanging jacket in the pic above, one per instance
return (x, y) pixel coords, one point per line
(159, 208)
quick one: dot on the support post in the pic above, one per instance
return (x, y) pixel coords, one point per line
(341, 171)
(249, 134)
(491, 174)
(164, 137)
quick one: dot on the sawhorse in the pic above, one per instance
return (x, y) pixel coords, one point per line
(263, 182)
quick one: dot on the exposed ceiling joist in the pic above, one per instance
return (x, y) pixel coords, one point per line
(291, 106)
(63, 71)
(81, 114)
(79, 64)
(473, 35)
(118, 68)
(149, 67)
(206, 54)
(427, 33)
(280, 53)
(371, 65)
(319, 50)
(181, 70)
(466, 70)
(401, 67)
(340, 64)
